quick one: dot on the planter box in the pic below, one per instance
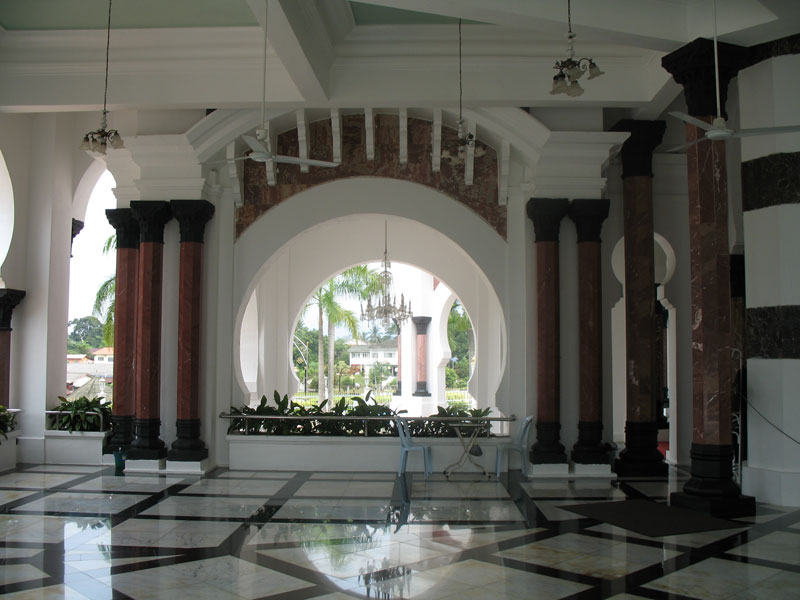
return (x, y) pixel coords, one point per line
(341, 453)
(78, 448)
(8, 451)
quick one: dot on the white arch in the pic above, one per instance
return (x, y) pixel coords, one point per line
(6, 213)
(80, 201)
(347, 228)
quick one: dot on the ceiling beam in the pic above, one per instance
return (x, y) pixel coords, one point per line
(301, 40)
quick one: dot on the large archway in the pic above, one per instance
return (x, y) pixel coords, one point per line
(288, 264)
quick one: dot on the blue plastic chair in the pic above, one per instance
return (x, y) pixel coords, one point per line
(408, 445)
(519, 444)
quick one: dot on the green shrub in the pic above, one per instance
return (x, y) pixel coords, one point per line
(6, 421)
(82, 415)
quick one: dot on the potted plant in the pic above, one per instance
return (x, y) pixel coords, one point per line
(77, 431)
(8, 443)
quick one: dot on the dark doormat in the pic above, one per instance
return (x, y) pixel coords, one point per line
(648, 518)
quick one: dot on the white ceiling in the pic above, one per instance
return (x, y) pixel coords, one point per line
(190, 54)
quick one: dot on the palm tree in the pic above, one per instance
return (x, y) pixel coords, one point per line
(105, 300)
(355, 282)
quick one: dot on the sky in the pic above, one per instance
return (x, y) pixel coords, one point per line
(89, 267)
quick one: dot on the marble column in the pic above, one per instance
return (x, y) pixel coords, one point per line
(642, 387)
(711, 487)
(588, 216)
(125, 309)
(421, 324)
(192, 216)
(9, 299)
(546, 214)
(151, 217)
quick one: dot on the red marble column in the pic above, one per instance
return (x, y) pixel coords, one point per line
(546, 214)
(9, 299)
(124, 408)
(711, 487)
(151, 217)
(640, 456)
(421, 324)
(588, 216)
(192, 217)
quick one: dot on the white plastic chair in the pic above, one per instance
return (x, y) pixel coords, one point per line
(408, 445)
(519, 444)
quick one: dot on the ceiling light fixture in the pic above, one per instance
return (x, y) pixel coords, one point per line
(570, 69)
(99, 139)
(464, 138)
(385, 308)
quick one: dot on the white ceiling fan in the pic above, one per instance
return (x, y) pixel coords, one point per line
(718, 130)
(260, 144)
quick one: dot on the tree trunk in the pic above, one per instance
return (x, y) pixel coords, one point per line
(331, 342)
(320, 360)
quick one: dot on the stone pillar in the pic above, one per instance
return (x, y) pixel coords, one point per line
(588, 216)
(546, 214)
(125, 309)
(77, 227)
(421, 323)
(771, 202)
(640, 456)
(192, 217)
(711, 487)
(8, 301)
(151, 217)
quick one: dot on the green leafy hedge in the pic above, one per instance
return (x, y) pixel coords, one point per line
(361, 407)
(6, 421)
(75, 415)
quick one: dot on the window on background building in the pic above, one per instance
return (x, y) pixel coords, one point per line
(110, 359)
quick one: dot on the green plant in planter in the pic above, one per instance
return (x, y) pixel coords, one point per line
(82, 415)
(6, 421)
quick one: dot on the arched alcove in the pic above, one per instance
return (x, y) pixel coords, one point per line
(287, 262)
(6, 213)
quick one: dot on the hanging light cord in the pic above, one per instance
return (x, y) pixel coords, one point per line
(108, 46)
(460, 81)
(569, 17)
(716, 61)
(264, 74)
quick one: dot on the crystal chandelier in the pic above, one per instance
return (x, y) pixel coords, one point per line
(570, 69)
(385, 308)
(99, 139)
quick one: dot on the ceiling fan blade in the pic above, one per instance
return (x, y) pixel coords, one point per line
(293, 160)
(766, 130)
(254, 144)
(228, 161)
(694, 121)
(684, 146)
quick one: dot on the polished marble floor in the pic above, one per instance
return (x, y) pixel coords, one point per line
(84, 533)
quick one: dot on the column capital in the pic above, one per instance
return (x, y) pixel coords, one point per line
(692, 66)
(192, 217)
(637, 150)
(546, 214)
(421, 324)
(126, 226)
(151, 216)
(588, 216)
(8, 301)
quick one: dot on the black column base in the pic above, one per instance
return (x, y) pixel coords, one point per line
(641, 457)
(548, 450)
(146, 445)
(422, 389)
(711, 488)
(590, 449)
(188, 446)
(122, 433)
